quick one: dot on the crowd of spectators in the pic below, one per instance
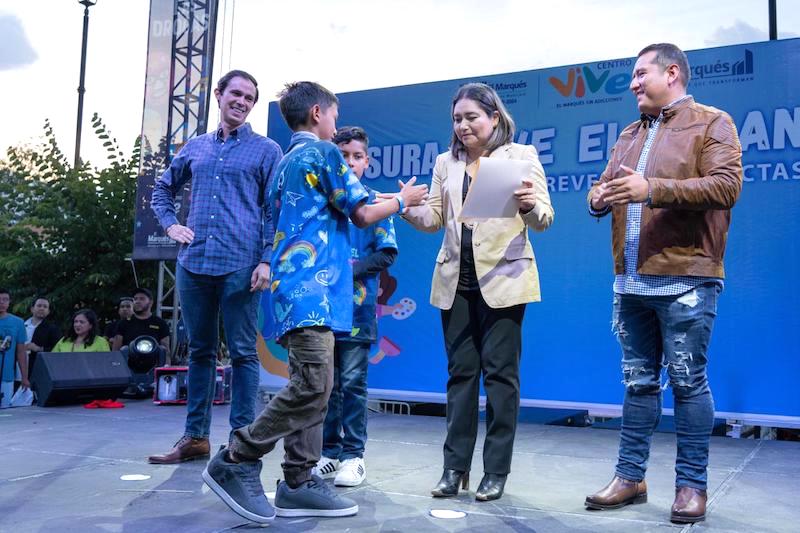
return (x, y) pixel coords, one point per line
(21, 341)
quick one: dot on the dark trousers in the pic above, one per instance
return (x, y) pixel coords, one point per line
(297, 412)
(481, 340)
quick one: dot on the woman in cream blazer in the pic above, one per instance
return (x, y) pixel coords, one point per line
(484, 275)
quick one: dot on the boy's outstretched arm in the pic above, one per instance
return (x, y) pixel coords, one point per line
(412, 195)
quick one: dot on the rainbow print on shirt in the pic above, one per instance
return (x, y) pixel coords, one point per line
(338, 197)
(359, 292)
(303, 251)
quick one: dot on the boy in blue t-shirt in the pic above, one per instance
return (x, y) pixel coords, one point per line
(12, 349)
(314, 195)
(373, 249)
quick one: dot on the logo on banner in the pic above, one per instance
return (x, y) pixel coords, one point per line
(720, 72)
(595, 84)
(510, 92)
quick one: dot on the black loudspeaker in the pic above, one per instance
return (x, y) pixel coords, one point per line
(79, 377)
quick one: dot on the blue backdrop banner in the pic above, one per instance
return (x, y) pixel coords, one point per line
(573, 115)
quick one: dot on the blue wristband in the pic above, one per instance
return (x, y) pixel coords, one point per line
(401, 202)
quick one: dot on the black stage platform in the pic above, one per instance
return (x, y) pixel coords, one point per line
(60, 470)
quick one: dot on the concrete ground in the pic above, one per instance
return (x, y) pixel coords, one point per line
(60, 470)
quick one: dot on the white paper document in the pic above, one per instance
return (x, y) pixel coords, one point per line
(491, 194)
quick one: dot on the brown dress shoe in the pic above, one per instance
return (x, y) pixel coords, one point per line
(689, 506)
(619, 493)
(186, 449)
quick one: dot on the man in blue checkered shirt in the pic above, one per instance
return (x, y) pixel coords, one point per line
(671, 182)
(224, 259)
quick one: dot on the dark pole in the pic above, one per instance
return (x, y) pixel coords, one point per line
(773, 20)
(87, 4)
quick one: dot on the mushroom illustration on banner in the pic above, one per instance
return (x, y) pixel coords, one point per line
(386, 347)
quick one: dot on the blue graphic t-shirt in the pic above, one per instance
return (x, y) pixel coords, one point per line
(312, 195)
(363, 243)
(13, 327)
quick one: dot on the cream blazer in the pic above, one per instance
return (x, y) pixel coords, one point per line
(504, 260)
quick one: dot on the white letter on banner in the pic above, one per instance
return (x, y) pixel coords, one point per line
(411, 154)
(589, 139)
(785, 126)
(538, 141)
(429, 158)
(754, 131)
(374, 169)
(391, 160)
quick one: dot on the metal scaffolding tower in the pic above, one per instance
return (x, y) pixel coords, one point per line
(193, 34)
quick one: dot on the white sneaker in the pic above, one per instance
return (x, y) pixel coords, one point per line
(326, 468)
(352, 473)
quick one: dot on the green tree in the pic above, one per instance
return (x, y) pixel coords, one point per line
(66, 232)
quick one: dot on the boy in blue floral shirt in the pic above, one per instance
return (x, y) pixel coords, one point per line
(314, 195)
(374, 249)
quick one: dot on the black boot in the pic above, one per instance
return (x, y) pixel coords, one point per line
(491, 487)
(448, 485)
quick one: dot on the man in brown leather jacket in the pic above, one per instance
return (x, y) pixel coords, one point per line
(672, 180)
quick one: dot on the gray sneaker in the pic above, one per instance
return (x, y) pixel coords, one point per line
(312, 498)
(239, 486)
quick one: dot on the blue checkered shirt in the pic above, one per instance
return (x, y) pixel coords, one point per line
(631, 282)
(228, 211)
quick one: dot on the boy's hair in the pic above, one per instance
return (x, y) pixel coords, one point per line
(297, 99)
(668, 54)
(345, 134)
(223, 82)
(488, 100)
(3, 290)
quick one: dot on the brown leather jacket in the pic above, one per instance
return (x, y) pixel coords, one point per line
(695, 173)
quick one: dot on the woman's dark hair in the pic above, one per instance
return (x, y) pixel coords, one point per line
(91, 317)
(488, 100)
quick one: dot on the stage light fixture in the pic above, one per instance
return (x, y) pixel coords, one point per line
(143, 354)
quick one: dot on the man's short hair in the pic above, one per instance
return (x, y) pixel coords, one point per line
(345, 134)
(226, 79)
(297, 99)
(3, 290)
(668, 54)
(125, 299)
(37, 298)
(142, 290)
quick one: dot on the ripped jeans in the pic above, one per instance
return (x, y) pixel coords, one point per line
(672, 332)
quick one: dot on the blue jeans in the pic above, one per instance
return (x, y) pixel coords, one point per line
(202, 299)
(344, 433)
(671, 332)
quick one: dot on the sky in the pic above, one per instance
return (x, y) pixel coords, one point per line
(346, 45)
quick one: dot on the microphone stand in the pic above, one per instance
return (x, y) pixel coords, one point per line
(3, 349)
(5, 344)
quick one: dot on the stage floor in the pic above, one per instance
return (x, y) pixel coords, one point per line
(60, 470)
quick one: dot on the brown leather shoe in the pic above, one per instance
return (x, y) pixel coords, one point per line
(689, 506)
(186, 449)
(619, 493)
